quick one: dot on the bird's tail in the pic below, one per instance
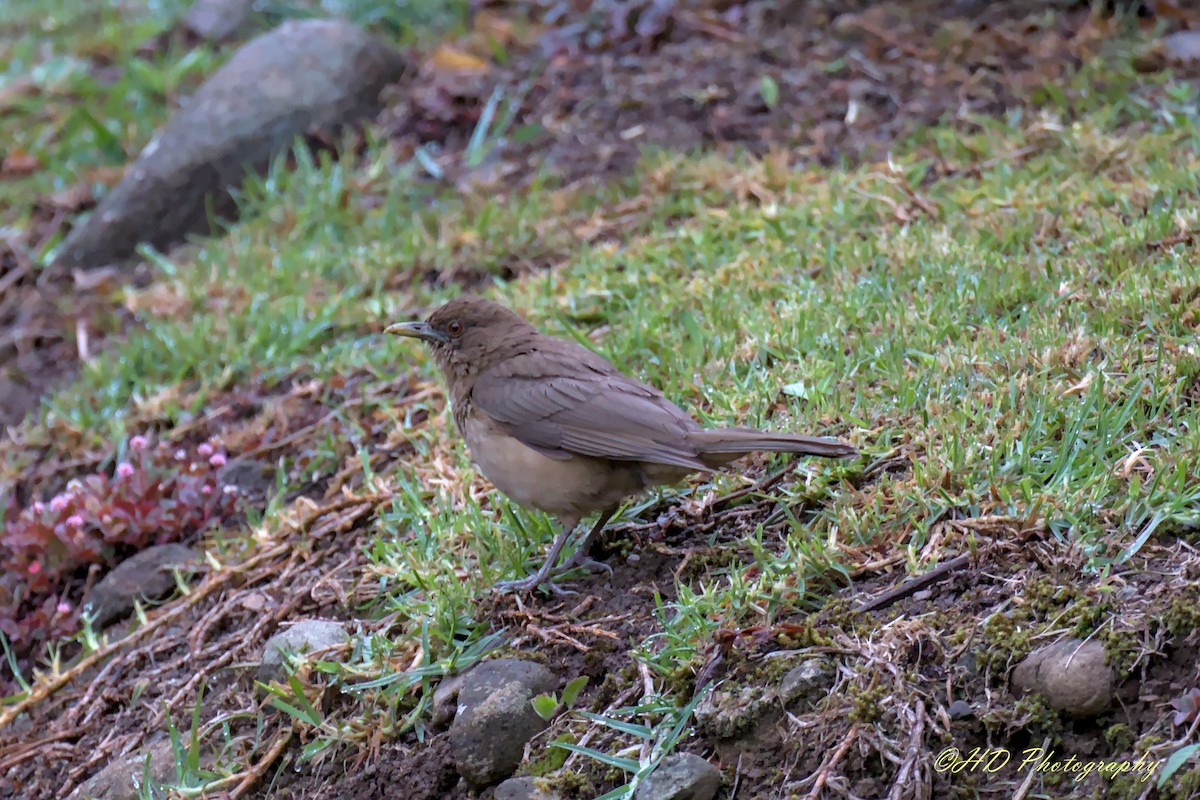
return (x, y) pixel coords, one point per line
(734, 442)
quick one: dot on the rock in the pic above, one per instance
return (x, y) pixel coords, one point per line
(969, 664)
(496, 718)
(17, 398)
(252, 478)
(960, 709)
(307, 636)
(123, 777)
(807, 683)
(727, 713)
(148, 575)
(523, 789)
(682, 776)
(445, 700)
(1183, 46)
(1072, 675)
(306, 76)
(216, 20)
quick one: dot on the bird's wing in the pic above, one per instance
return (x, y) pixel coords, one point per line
(565, 400)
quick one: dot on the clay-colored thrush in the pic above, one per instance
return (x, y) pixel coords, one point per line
(558, 428)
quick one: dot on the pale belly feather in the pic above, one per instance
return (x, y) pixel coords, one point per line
(565, 487)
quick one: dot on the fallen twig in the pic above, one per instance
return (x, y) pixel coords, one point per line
(914, 585)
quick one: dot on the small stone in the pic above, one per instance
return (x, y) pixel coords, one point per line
(682, 776)
(807, 683)
(216, 20)
(307, 636)
(969, 664)
(148, 575)
(122, 777)
(960, 709)
(1072, 675)
(1183, 46)
(252, 478)
(445, 700)
(727, 713)
(524, 789)
(496, 719)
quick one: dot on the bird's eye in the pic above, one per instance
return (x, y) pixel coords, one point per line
(455, 327)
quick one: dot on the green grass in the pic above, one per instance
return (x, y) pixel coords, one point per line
(77, 115)
(1015, 332)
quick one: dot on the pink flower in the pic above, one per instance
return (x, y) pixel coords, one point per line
(75, 521)
(63, 607)
(139, 443)
(180, 455)
(125, 469)
(206, 489)
(217, 459)
(39, 507)
(60, 502)
(205, 450)
(34, 568)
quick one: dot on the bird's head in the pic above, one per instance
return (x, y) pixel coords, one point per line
(468, 333)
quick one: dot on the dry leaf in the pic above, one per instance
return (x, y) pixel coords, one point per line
(157, 300)
(19, 163)
(453, 59)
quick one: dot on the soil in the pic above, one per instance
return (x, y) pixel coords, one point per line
(594, 89)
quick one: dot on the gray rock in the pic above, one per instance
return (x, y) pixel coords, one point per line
(148, 575)
(122, 778)
(1183, 46)
(524, 789)
(969, 664)
(732, 711)
(307, 636)
(805, 684)
(682, 776)
(960, 709)
(445, 700)
(308, 76)
(216, 20)
(252, 478)
(496, 719)
(1072, 675)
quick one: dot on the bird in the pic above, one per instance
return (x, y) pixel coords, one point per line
(556, 427)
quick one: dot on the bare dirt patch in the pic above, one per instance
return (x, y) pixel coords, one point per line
(830, 82)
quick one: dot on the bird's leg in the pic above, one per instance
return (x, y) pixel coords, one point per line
(581, 558)
(547, 569)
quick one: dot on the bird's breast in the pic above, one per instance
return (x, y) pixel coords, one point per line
(575, 485)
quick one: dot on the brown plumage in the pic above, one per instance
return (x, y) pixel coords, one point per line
(558, 428)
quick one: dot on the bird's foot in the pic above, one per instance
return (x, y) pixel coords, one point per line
(532, 582)
(586, 563)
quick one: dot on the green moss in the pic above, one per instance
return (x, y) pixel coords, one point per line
(841, 612)
(1030, 715)
(1122, 648)
(1119, 737)
(709, 561)
(868, 705)
(552, 758)
(1182, 618)
(1008, 640)
(570, 784)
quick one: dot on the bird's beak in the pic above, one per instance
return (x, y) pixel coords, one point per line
(417, 330)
